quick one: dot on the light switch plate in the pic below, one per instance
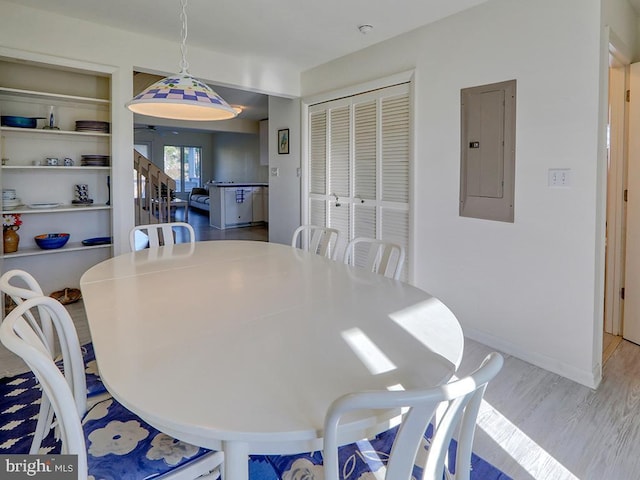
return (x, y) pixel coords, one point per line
(559, 177)
(275, 171)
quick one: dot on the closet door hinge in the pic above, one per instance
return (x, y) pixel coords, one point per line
(625, 195)
(622, 293)
(628, 95)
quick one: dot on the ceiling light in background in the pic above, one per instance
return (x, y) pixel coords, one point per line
(181, 96)
(237, 109)
(364, 29)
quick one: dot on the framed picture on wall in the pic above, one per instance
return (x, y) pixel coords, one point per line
(283, 140)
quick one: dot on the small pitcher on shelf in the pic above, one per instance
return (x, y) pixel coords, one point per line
(10, 225)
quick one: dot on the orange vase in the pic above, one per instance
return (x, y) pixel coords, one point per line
(10, 239)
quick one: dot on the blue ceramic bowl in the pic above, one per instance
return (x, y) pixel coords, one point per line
(49, 241)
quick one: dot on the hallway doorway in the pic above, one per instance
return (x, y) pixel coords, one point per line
(616, 206)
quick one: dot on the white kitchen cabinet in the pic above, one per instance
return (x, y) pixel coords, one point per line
(257, 202)
(265, 204)
(34, 91)
(236, 205)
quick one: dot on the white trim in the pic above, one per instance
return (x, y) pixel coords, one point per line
(590, 379)
(49, 60)
(395, 79)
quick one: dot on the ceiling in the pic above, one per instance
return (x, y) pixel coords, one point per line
(300, 32)
(304, 33)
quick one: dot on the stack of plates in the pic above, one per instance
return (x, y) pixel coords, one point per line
(92, 126)
(11, 204)
(9, 199)
(95, 160)
(8, 193)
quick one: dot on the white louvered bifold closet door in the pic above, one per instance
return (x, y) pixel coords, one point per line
(359, 164)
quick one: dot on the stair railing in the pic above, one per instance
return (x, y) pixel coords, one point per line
(152, 191)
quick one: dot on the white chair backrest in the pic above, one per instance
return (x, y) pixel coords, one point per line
(377, 256)
(461, 399)
(65, 392)
(28, 288)
(158, 234)
(319, 240)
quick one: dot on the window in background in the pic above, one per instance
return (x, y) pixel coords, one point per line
(183, 164)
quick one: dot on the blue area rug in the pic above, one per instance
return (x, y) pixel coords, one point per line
(20, 402)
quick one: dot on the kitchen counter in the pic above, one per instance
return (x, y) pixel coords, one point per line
(238, 184)
(238, 204)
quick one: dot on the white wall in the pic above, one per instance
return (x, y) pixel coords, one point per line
(621, 18)
(284, 189)
(236, 158)
(526, 287)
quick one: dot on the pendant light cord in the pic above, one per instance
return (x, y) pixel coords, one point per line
(184, 65)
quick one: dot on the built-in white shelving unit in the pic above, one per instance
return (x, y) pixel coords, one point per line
(34, 90)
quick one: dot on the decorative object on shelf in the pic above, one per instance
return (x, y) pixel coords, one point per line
(19, 122)
(52, 162)
(68, 162)
(181, 96)
(44, 205)
(92, 126)
(9, 199)
(108, 189)
(67, 295)
(82, 195)
(283, 141)
(10, 225)
(51, 124)
(94, 160)
(90, 242)
(50, 241)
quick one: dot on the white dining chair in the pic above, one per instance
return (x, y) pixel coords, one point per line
(120, 444)
(159, 234)
(461, 401)
(20, 286)
(417, 447)
(377, 256)
(316, 239)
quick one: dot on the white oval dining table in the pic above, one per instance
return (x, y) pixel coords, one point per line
(242, 346)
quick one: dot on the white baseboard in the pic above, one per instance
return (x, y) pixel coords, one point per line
(589, 379)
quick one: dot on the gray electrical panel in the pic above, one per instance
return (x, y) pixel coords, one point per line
(487, 151)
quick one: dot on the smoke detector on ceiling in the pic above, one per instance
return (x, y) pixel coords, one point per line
(364, 29)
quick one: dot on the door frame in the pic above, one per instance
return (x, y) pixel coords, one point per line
(616, 212)
(616, 186)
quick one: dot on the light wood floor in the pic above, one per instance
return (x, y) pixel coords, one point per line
(537, 425)
(199, 220)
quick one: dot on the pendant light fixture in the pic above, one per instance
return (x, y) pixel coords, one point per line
(181, 96)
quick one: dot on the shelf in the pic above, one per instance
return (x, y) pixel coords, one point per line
(53, 96)
(61, 208)
(69, 247)
(42, 131)
(60, 168)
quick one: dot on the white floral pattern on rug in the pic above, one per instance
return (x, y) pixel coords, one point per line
(172, 451)
(303, 469)
(118, 438)
(100, 410)
(92, 368)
